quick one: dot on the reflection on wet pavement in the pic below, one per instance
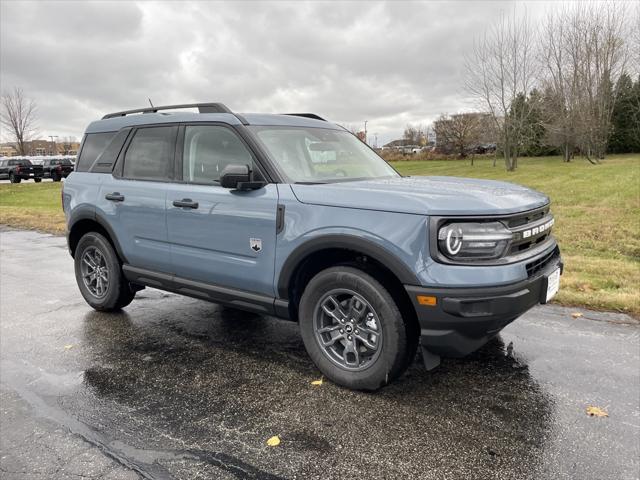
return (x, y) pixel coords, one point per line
(179, 388)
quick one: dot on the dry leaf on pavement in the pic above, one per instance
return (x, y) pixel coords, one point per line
(317, 382)
(576, 315)
(596, 412)
(274, 441)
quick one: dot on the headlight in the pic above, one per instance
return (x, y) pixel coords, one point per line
(468, 241)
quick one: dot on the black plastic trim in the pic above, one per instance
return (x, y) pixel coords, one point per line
(253, 302)
(463, 319)
(202, 108)
(280, 218)
(89, 213)
(347, 242)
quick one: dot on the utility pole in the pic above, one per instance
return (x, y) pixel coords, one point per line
(365, 132)
(53, 150)
(375, 142)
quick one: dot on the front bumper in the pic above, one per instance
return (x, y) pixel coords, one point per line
(464, 319)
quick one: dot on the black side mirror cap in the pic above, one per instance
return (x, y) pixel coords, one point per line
(239, 177)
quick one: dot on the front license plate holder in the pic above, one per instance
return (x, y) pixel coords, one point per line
(553, 285)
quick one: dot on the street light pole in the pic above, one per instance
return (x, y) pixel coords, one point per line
(365, 132)
(53, 151)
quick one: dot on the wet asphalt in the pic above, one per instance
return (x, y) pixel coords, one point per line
(180, 388)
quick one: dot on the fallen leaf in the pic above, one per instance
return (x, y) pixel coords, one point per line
(68, 347)
(274, 441)
(576, 315)
(317, 382)
(596, 412)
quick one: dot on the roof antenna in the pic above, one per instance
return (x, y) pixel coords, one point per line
(150, 103)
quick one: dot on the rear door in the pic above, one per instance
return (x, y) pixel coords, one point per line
(134, 197)
(223, 237)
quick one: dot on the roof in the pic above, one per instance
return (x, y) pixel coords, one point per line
(114, 124)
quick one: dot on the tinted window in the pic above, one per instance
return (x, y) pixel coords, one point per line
(208, 149)
(94, 144)
(150, 154)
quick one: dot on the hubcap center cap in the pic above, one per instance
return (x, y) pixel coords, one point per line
(348, 328)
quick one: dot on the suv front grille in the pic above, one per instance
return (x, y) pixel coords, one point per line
(538, 265)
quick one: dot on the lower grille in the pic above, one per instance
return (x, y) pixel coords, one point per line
(538, 265)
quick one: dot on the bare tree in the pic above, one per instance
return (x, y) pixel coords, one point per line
(18, 117)
(584, 51)
(458, 132)
(502, 67)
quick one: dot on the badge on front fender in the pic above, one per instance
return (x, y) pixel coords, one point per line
(255, 244)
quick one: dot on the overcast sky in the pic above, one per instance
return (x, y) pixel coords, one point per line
(389, 63)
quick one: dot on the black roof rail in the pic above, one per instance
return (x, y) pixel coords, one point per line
(202, 108)
(306, 115)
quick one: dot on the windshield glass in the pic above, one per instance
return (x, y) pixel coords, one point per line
(318, 155)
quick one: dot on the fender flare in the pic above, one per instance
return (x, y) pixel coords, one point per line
(88, 213)
(346, 242)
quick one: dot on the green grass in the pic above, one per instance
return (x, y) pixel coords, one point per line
(597, 210)
(32, 205)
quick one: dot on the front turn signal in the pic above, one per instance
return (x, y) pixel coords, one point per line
(427, 300)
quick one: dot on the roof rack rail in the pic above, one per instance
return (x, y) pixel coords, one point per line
(306, 115)
(202, 108)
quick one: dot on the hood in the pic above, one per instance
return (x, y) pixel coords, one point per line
(425, 196)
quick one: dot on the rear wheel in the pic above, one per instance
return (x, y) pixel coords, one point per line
(37, 180)
(99, 274)
(13, 178)
(55, 177)
(353, 329)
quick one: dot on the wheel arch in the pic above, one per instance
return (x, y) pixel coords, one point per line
(331, 250)
(88, 221)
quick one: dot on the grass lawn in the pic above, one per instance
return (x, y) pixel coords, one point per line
(597, 210)
(32, 205)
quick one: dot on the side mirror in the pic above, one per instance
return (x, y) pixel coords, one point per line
(238, 177)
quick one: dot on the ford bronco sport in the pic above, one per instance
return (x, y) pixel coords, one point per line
(293, 216)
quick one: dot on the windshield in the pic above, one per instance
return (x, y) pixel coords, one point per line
(318, 155)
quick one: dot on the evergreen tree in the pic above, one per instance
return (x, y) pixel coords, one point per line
(625, 131)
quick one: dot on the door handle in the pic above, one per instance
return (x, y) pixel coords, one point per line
(185, 203)
(114, 197)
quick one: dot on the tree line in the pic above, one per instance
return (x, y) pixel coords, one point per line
(569, 85)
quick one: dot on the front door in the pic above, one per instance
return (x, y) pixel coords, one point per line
(220, 236)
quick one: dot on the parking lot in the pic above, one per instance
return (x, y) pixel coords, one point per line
(180, 388)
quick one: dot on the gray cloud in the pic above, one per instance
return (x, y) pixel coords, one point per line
(388, 63)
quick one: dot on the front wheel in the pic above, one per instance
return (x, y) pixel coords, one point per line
(55, 177)
(37, 180)
(13, 178)
(353, 329)
(99, 274)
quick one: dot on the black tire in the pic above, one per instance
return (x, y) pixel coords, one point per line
(398, 338)
(13, 178)
(117, 293)
(37, 180)
(55, 177)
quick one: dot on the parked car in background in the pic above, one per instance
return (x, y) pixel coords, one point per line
(57, 168)
(16, 170)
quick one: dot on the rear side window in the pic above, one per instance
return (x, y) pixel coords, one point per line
(150, 154)
(94, 144)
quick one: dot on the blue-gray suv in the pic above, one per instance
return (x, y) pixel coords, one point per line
(293, 216)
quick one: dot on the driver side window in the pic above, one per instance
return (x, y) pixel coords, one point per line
(208, 149)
